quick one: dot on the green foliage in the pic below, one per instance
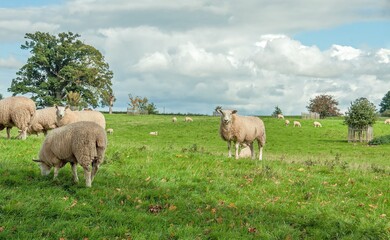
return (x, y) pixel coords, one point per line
(325, 105)
(385, 103)
(181, 185)
(139, 105)
(360, 114)
(277, 111)
(380, 140)
(1, 96)
(61, 64)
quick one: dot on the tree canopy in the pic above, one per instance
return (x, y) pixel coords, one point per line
(141, 105)
(325, 105)
(59, 65)
(385, 103)
(277, 111)
(360, 114)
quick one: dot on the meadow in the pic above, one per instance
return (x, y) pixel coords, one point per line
(312, 184)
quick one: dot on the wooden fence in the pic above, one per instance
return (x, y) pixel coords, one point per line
(360, 135)
(310, 115)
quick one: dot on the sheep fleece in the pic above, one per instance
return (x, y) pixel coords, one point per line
(16, 111)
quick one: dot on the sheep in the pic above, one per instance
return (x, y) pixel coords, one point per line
(110, 130)
(188, 119)
(153, 133)
(245, 151)
(387, 121)
(240, 129)
(297, 124)
(286, 122)
(16, 111)
(174, 119)
(280, 116)
(317, 124)
(44, 119)
(81, 143)
(66, 116)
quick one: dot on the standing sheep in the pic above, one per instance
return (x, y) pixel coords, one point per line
(81, 143)
(240, 129)
(317, 124)
(66, 116)
(297, 124)
(44, 119)
(188, 119)
(280, 116)
(387, 121)
(174, 119)
(16, 111)
(286, 122)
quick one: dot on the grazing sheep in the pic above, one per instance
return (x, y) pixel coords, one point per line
(174, 119)
(280, 116)
(44, 119)
(153, 133)
(240, 129)
(188, 119)
(66, 116)
(387, 121)
(245, 151)
(110, 131)
(16, 111)
(317, 124)
(286, 122)
(81, 143)
(297, 124)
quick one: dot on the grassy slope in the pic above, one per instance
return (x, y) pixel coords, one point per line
(180, 184)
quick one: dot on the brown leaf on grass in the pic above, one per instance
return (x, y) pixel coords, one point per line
(172, 208)
(373, 206)
(361, 205)
(219, 220)
(252, 230)
(147, 179)
(1, 229)
(381, 216)
(155, 208)
(232, 205)
(213, 210)
(73, 203)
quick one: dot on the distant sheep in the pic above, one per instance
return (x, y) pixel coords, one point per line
(66, 116)
(174, 119)
(153, 133)
(317, 124)
(44, 119)
(16, 111)
(387, 121)
(280, 116)
(297, 124)
(110, 131)
(81, 143)
(286, 122)
(188, 119)
(241, 129)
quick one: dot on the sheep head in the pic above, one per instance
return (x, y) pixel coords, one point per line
(226, 117)
(45, 168)
(60, 111)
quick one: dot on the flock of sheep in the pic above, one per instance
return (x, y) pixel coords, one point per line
(77, 137)
(297, 123)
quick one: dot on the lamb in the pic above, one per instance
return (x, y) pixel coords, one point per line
(81, 143)
(153, 133)
(44, 119)
(174, 119)
(241, 129)
(286, 122)
(317, 124)
(16, 111)
(245, 151)
(297, 124)
(280, 116)
(66, 116)
(387, 121)
(110, 130)
(188, 119)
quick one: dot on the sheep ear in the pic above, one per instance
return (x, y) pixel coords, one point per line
(37, 160)
(219, 110)
(67, 106)
(234, 111)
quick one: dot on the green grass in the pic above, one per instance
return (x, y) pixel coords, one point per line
(312, 184)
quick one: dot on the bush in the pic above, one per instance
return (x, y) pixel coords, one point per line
(380, 140)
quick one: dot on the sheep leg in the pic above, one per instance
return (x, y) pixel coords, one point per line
(9, 132)
(260, 152)
(252, 151)
(74, 172)
(237, 147)
(56, 169)
(87, 176)
(95, 168)
(230, 152)
(23, 133)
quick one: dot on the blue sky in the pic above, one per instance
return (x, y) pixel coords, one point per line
(190, 56)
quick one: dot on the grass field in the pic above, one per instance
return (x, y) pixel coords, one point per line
(312, 184)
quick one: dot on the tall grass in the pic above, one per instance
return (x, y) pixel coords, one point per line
(312, 184)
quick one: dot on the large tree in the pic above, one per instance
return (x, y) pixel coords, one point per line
(59, 65)
(385, 103)
(325, 105)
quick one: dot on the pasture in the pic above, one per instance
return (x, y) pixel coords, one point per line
(312, 184)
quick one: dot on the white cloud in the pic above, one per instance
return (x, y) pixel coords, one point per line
(345, 52)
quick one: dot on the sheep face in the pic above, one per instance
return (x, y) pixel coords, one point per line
(45, 169)
(226, 116)
(60, 111)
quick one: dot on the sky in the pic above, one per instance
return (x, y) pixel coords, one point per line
(191, 56)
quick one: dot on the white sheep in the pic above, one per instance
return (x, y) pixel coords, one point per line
(81, 143)
(297, 124)
(317, 124)
(245, 151)
(188, 119)
(153, 133)
(280, 116)
(66, 116)
(241, 129)
(44, 119)
(286, 122)
(174, 119)
(110, 130)
(16, 111)
(387, 121)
